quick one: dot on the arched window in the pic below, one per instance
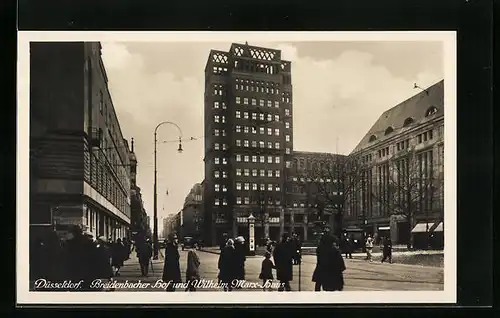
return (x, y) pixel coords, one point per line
(372, 138)
(408, 121)
(389, 130)
(431, 111)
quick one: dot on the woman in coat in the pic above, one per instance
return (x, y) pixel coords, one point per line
(330, 266)
(171, 267)
(227, 265)
(192, 272)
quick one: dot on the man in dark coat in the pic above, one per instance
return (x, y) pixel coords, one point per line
(387, 250)
(171, 267)
(283, 260)
(79, 258)
(347, 246)
(240, 251)
(144, 252)
(227, 265)
(330, 266)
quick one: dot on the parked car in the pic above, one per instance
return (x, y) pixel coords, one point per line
(357, 238)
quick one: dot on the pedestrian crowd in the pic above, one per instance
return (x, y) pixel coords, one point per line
(77, 257)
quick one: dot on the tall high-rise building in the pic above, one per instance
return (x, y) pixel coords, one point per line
(249, 140)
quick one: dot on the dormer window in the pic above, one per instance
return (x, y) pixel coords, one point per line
(431, 111)
(408, 121)
(372, 138)
(389, 130)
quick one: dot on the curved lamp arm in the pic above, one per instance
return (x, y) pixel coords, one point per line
(173, 124)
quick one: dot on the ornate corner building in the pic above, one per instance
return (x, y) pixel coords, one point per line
(249, 140)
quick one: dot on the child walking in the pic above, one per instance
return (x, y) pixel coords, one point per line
(266, 272)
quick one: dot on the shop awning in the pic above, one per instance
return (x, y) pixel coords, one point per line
(439, 228)
(384, 228)
(422, 227)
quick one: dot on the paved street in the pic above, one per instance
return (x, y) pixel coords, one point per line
(360, 275)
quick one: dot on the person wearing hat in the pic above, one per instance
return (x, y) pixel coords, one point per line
(171, 267)
(144, 251)
(226, 265)
(79, 253)
(283, 258)
(240, 257)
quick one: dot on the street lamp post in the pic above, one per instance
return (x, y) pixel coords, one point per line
(251, 234)
(155, 199)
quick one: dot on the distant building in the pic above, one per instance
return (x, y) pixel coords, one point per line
(79, 159)
(249, 143)
(139, 218)
(192, 213)
(402, 182)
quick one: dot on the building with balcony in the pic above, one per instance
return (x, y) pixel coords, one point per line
(401, 184)
(79, 159)
(249, 140)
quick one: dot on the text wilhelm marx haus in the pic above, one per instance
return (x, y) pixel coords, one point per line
(82, 170)
(252, 168)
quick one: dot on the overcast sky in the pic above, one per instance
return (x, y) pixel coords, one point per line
(339, 88)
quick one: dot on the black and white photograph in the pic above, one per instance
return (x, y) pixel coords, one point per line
(176, 167)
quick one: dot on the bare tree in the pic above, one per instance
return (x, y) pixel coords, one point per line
(407, 185)
(328, 181)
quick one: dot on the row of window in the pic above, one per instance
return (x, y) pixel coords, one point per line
(220, 132)
(262, 130)
(246, 186)
(405, 144)
(219, 119)
(218, 90)
(423, 137)
(262, 102)
(408, 121)
(399, 146)
(258, 89)
(321, 180)
(218, 146)
(246, 200)
(262, 173)
(255, 159)
(383, 152)
(218, 174)
(261, 144)
(220, 104)
(239, 200)
(260, 116)
(246, 172)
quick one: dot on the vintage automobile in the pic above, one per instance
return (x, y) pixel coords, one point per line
(188, 242)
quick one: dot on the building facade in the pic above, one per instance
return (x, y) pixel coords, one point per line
(79, 159)
(249, 140)
(139, 224)
(313, 193)
(192, 213)
(402, 164)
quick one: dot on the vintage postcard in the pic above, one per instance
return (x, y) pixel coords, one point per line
(220, 167)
